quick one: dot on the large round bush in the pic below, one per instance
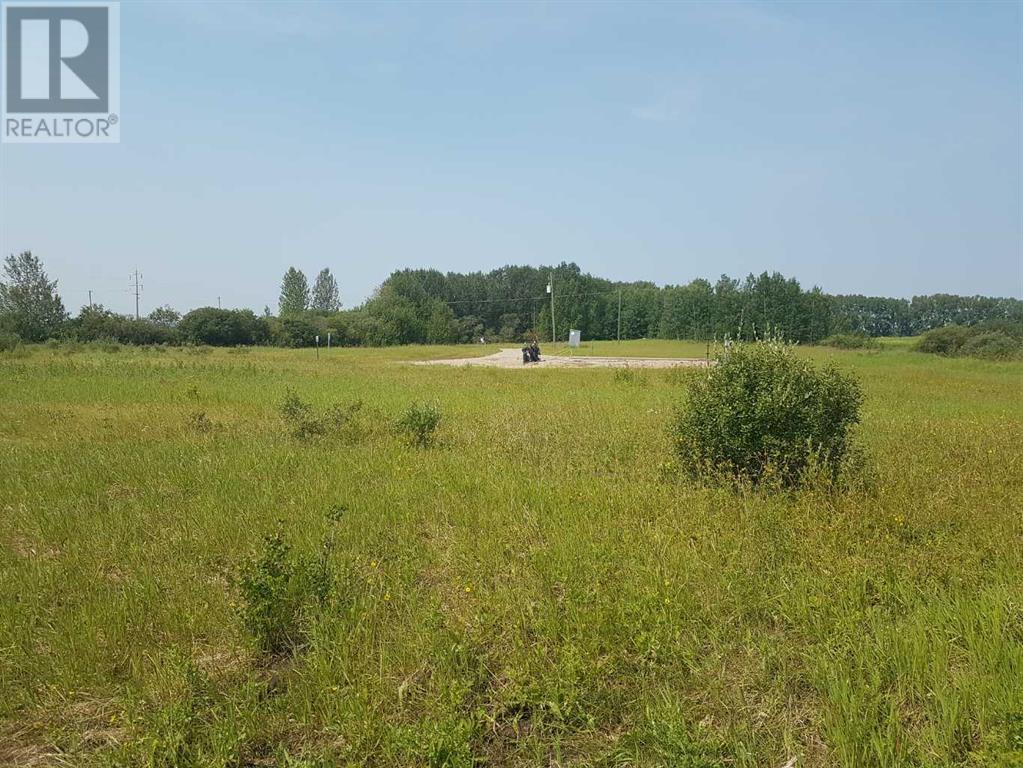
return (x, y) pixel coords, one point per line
(762, 413)
(947, 340)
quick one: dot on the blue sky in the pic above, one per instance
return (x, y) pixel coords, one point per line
(864, 147)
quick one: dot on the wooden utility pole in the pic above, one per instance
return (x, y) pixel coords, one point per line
(550, 290)
(619, 315)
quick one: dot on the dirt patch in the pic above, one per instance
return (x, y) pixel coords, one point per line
(512, 358)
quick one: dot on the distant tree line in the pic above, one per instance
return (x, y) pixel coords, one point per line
(510, 304)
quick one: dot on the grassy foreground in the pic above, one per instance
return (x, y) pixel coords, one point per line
(539, 588)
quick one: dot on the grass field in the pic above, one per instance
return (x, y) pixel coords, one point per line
(537, 588)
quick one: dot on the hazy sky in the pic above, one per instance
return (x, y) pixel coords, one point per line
(869, 148)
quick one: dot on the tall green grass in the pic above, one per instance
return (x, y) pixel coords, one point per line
(537, 587)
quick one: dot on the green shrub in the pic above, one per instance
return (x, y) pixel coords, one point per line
(339, 420)
(279, 592)
(294, 408)
(419, 424)
(851, 341)
(764, 414)
(9, 341)
(993, 340)
(296, 331)
(993, 345)
(1011, 328)
(223, 327)
(947, 340)
(298, 415)
(96, 323)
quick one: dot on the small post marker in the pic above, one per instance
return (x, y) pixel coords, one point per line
(317, 346)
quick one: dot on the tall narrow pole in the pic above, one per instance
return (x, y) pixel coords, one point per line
(137, 275)
(90, 299)
(619, 315)
(550, 289)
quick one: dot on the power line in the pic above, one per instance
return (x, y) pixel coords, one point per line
(494, 301)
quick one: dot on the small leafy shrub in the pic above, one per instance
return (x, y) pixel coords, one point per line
(993, 345)
(299, 417)
(9, 341)
(280, 590)
(764, 414)
(339, 420)
(52, 344)
(851, 341)
(419, 424)
(337, 512)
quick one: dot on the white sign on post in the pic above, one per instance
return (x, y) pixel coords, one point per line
(574, 338)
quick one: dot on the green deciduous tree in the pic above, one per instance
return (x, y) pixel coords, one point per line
(326, 296)
(29, 303)
(294, 293)
(165, 316)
